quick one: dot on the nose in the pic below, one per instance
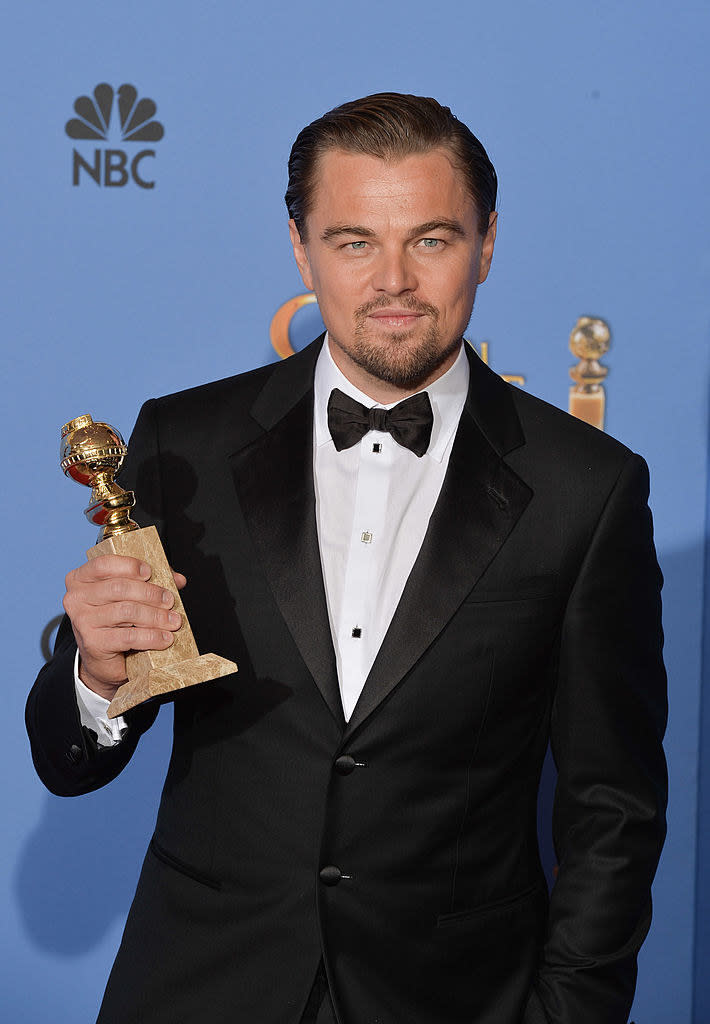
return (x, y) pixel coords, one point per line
(394, 272)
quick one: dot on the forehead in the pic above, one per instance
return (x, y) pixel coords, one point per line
(358, 188)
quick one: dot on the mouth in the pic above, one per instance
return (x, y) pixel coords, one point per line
(395, 317)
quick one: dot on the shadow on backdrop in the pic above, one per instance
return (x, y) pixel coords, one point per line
(79, 867)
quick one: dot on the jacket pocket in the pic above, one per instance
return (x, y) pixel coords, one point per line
(161, 854)
(514, 902)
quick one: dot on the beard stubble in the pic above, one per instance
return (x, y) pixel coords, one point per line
(395, 359)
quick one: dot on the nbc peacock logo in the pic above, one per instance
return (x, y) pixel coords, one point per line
(113, 116)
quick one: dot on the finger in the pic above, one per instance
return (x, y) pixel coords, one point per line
(108, 566)
(118, 589)
(128, 613)
(136, 638)
(179, 579)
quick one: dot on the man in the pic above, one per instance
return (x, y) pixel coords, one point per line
(417, 600)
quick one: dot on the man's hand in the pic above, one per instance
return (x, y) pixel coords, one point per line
(113, 609)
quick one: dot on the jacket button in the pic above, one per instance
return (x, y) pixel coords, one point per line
(330, 875)
(344, 764)
(74, 754)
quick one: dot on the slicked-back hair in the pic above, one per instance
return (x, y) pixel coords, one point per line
(389, 125)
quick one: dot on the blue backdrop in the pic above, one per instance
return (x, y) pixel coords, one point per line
(595, 115)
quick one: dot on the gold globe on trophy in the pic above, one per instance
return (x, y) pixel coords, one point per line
(92, 454)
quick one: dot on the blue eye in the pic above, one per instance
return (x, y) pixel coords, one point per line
(357, 245)
(430, 243)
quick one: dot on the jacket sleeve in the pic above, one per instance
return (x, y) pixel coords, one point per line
(67, 757)
(608, 720)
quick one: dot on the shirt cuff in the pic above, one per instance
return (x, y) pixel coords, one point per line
(92, 712)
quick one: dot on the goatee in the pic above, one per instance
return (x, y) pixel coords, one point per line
(396, 360)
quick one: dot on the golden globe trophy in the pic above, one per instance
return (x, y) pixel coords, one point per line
(91, 454)
(589, 341)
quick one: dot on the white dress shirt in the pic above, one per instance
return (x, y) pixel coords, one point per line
(373, 505)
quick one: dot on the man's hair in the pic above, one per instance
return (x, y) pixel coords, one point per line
(389, 125)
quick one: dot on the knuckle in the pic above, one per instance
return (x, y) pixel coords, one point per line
(149, 637)
(157, 640)
(116, 588)
(145, 638)
(72, 606)
(100, 564)
(126, 611)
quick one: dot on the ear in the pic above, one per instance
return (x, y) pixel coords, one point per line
(300, 255)
(487, 247)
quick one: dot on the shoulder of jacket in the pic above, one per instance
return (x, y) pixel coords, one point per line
(207, 397)
(547, 426)
(237, 393)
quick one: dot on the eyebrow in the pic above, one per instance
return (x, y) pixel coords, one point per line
(346, 229)
(443, 224)
(440, 224)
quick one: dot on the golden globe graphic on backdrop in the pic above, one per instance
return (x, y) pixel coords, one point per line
(109, 115)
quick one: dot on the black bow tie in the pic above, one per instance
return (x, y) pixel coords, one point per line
(409, 422)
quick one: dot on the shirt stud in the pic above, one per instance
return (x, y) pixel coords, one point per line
(366, 537)
(377, 447)
(357, 632)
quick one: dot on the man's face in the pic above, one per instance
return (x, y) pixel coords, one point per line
(394, 255)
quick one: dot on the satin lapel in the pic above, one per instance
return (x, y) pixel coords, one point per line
(480, 502)
(274, 481)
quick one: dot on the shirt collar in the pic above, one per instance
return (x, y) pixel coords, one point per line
(447, 396)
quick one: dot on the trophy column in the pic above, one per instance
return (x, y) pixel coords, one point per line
(91, 454)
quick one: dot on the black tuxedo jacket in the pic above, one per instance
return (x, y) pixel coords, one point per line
(402, 846)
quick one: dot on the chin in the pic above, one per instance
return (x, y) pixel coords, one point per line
(401, 359)
(409, 371)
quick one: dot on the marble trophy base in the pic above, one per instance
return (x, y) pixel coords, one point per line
(153, 673)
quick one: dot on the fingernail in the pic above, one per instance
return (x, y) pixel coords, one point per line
(145, 571)
(167, 636)
(174, 619)
(167, 598)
